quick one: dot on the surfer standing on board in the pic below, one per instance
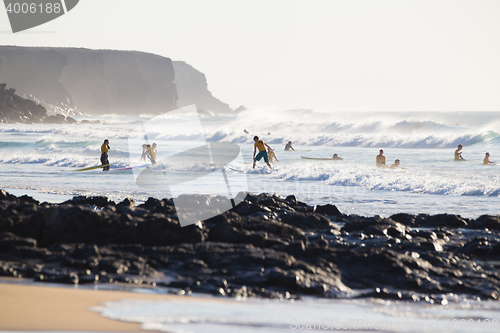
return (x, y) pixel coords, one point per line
(261, 146)
(104, 155)
(381, 159)
(458, 154)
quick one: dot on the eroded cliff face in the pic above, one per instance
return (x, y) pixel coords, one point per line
(104, 81)
(192, 89)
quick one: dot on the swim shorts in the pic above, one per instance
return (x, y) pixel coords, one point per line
(262, 154)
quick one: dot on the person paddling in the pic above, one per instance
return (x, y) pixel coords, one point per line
(487, 159)
(289, 146)
(458, 154)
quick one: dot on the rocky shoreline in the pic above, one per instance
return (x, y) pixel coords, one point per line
(267, 246)
(15, 109)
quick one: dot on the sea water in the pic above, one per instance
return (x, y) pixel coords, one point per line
(211, 315)
(39, 159)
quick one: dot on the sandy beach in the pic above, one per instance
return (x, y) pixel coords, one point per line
(42, 308)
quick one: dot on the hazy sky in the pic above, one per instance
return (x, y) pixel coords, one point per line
(318, 54)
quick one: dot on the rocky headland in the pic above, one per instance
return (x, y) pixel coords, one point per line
(15, 109)
(267, 246)
(96, 82)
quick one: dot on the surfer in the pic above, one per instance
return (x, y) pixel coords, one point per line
(458, 154)
(152, 153)
(289, 146)
(381, 159)
(397, 165)
(144, 152)
(487, 159)
(246, 132)
(271, 155)
(104, 155)
(336, 157)
(261, 146)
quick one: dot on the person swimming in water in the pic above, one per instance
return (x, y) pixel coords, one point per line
(271, 155)
(396, 165)
(487, 159)
(104, 155)
(458, 154)
(261, 146)
(380, 160)
(289, 146)
(336, 157)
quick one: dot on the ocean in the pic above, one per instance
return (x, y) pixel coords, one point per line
(38, 160)
(41, 161)
(212, 315)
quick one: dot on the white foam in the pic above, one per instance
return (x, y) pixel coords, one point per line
(229, 315)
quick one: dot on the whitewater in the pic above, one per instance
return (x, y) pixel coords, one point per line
(38, 159)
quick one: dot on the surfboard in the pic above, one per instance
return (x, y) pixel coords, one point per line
(87, 169)
(234, 169)
(297, 150)
(317, 158)
(253, 172)
(131, 167)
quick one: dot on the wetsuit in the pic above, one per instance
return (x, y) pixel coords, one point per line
(104, 156)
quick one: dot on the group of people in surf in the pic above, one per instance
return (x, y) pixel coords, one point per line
(269, 155)
(458, 156)
(380, 161)
(148, 151)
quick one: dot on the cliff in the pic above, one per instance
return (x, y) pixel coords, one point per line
(192, 89)
(101, 81)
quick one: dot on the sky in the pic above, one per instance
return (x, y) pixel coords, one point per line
(328, 55)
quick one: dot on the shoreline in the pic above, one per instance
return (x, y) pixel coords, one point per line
(46, 308)
(265, 247)
(37, 307)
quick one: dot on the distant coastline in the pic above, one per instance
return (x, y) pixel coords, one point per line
(74, 81)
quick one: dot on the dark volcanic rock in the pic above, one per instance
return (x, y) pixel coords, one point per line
(487, 222)
(266, 246)
(328, 209)
(15, 109)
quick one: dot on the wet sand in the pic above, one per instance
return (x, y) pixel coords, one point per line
(42, 308)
